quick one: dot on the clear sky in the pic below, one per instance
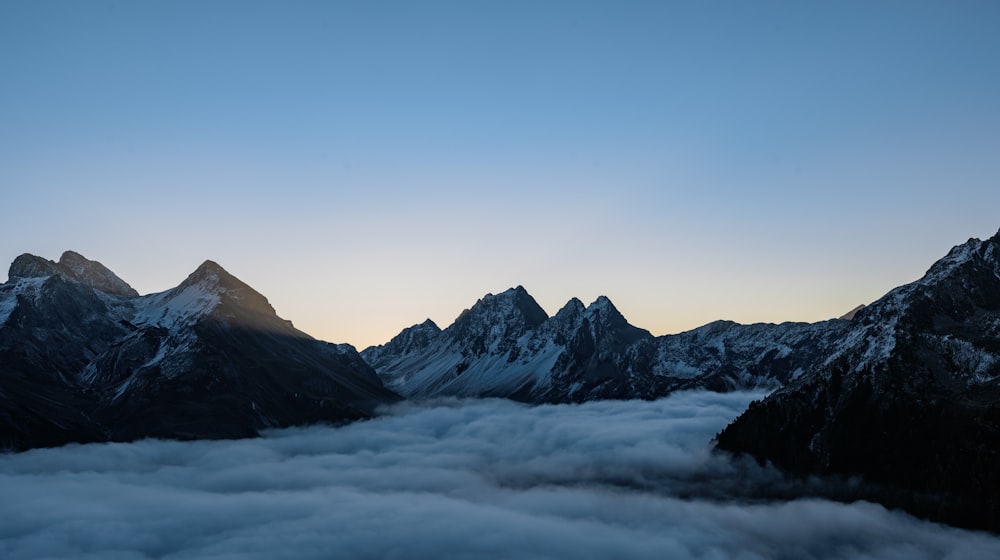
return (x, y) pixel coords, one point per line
(367, 165)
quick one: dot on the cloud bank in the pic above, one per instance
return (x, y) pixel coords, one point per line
(449, 479)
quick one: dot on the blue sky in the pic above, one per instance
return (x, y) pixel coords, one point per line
(366, 165)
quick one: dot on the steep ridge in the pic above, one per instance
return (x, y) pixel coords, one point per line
(84, 358)
(909, 399)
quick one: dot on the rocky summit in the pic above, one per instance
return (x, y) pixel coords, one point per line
(84, 358)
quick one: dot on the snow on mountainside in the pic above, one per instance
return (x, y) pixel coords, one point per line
(488, 350)
(83, 357)
(72, 266)
(506, 346)
(18, 288)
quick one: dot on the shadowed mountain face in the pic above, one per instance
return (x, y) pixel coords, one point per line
(84, 358)
(910, 399)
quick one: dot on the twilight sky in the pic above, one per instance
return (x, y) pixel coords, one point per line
(367, 165)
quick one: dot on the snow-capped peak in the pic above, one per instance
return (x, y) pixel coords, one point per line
(572, 308)
(428, 325)
(207, 288)
(511, 304)
(209, 273)
(71, 266)
(602, 309)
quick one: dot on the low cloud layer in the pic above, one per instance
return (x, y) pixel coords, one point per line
(451, 479)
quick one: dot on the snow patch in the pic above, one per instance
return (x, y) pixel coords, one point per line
(175, 308)
(9, 292)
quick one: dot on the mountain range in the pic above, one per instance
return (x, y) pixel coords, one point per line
(507, 346)
(84, 358)
(903, 393)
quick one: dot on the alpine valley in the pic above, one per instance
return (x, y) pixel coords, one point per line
(902, 395)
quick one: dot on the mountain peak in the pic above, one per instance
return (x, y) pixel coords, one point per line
(604, 315)
(573, 307)
(603, 307)
(973, 250)
(211, 278)
(533, 313)
(211, 292)
(210, 266)
(70, 256)
(94, 274)
(212, 274)
(72, 266)
(31, 266)
(602, 301)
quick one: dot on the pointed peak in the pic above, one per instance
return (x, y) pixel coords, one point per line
(602, 302)
(573, 306)
(210, 266)
(604, 310)
(211, 278)
(210, 272)
(517, 291)
(427, 326)
(511, 301)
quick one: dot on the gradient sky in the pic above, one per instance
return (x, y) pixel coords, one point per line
(367, 165)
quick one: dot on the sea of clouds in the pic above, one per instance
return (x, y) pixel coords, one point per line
(451, 479)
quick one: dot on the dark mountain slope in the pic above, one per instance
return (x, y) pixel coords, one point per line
(910, 400)
(82, 358)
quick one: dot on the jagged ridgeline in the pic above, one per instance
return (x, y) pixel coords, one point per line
(904, 392)
(83, 358)
(507, 346)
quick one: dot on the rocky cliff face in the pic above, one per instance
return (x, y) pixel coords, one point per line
(909, 398)
(84, 358)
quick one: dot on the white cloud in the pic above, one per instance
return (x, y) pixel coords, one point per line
(450, 479)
